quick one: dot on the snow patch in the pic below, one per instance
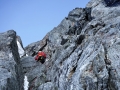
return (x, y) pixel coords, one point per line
(83, 66)
(47, 59)
(26, 54)
(26, 83)
(10, 55)
(71, 87)
(20, 49)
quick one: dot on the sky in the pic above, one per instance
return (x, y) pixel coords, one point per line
(33, 19)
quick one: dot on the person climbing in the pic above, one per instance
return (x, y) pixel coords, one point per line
(41, 56)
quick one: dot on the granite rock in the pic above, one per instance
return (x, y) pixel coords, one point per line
(82, 52)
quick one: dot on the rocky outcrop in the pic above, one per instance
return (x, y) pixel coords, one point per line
(82, 51)
(11, 76)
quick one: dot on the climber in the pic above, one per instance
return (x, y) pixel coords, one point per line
(41, 56)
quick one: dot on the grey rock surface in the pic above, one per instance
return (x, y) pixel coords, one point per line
(11, 76)
(83, 52)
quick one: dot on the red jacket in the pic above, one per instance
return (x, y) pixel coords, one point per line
(40, 53)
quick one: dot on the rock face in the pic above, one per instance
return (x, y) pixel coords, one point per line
(11, 76)
(83, 52)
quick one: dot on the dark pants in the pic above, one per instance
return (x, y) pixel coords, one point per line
(41, 59)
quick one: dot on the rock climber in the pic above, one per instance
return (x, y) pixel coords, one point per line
(41, 56)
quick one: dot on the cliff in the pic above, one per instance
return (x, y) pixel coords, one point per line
(11, 75)
(82, 51)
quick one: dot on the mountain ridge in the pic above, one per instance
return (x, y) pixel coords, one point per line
(82, 51)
